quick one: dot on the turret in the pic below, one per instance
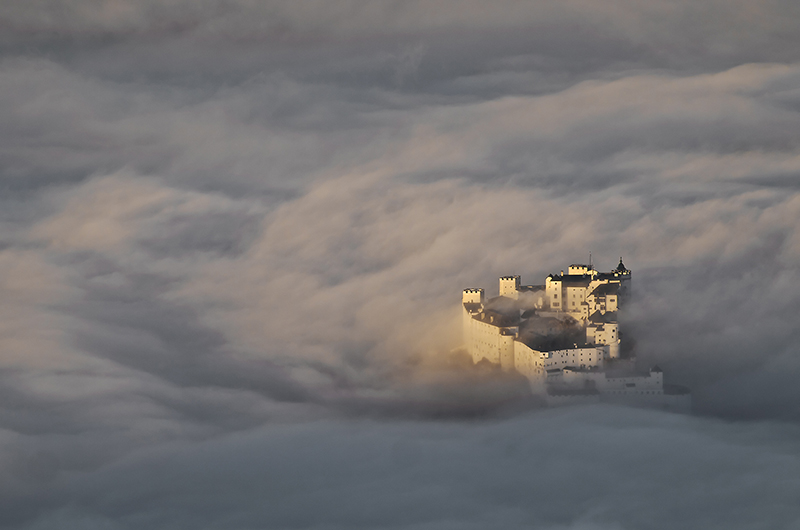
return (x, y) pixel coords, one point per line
(472, 296)
(622, 271)
(624, 275)
(613, 350)
(509, 286)
(472, 304)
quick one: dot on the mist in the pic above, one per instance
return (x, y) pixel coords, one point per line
(233, 238)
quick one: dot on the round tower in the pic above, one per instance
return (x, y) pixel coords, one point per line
(507, 349)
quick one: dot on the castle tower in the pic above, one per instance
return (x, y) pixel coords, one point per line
(471, 303)
(613, 350)
(507, 350)
(509, 286)
(472, 296)
(624, 275)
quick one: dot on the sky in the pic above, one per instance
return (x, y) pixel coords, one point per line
(234, 234)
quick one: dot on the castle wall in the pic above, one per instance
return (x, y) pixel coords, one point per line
(591, 356)
(534, 364)
(650, 384)
(528, 362)
(487, 341)
(466, 325)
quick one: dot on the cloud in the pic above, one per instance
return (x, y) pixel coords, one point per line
(596, 467)
(233, 236)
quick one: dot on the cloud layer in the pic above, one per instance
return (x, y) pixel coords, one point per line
(228, 229)
(590, 468)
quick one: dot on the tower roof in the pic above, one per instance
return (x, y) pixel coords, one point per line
(621, 267)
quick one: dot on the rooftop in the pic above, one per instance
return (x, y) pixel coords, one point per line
(605, 289)
(583, 279)
(497, 319)
(603, 318)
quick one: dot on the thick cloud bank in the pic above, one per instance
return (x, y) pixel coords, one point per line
(233, 237)
(585, 468)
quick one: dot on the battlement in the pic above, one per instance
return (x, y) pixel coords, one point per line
(509, 286)
(472, 296)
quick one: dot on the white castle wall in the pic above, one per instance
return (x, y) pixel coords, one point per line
(591, 356)
(491, 342)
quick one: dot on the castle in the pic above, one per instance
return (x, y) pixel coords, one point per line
(564, 337)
